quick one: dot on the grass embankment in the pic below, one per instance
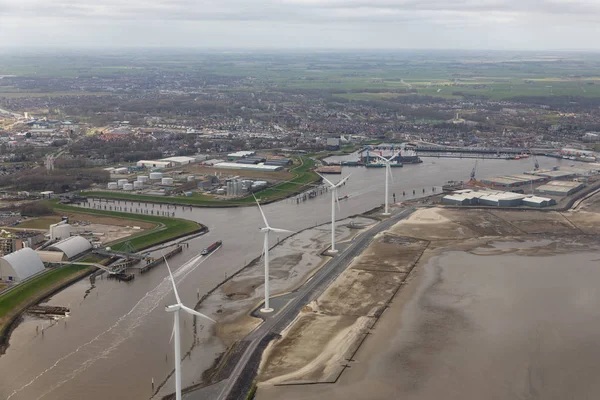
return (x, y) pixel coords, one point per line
(303, 177)
(32, 292)
(165, 229)
(26, 290)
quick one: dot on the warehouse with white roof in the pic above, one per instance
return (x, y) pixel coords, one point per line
(20, 265)
(72, 247)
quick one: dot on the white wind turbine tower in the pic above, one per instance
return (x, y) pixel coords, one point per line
(175, 308)
(266, 230)
(388, 174)
(334, 199)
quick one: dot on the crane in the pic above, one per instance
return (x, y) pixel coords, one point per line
(473, 171)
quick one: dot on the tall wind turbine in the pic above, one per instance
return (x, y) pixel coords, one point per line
(175, 308)
(266, 230)
(334, 199)
(388, 174)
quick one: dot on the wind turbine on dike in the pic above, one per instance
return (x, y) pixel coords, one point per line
(388, 174)
(266, 230)
(334, 199)
(175, 308)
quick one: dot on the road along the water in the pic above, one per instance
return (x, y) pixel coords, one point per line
(117, 336)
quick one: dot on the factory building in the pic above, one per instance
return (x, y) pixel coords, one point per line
(239, 155)
(249, 167)
(495, 199)
(72, 247)
(507, 181)
(20, 265)
(181, 160)
(13, 241)
(560, 188)
(283, 162)
(154, 164)
(251, 160)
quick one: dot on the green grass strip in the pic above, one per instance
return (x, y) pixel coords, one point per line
(24, 291)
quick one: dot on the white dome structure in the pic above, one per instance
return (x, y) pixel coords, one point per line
(72, 247)
(20, 265)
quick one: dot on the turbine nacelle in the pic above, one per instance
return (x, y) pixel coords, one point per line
(173, 308)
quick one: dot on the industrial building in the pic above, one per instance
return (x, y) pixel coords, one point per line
(283, 162)
(556, 174)
(60, 230)
(20, 265)
(513, 180)
(560, 188)
(251, 160)
(180, 160)
(249, 167)
(495, 199)
(154, 164)
(240, 154)
(51, 256)
(13, 241)
(72, 247)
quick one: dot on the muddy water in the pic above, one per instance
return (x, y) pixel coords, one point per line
(482, 327)
(116, 339)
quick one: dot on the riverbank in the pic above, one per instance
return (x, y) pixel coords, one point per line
(166, 229)
(420, 324)
(27, 294)
(14, 302)
(304, 179)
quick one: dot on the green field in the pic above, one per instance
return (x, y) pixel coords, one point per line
(303, 179)
(167, 228)
(36, 285)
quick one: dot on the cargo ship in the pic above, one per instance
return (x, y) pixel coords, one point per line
(381, 165)
(211, 248)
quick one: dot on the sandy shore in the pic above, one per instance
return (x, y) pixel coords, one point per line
(487, 312)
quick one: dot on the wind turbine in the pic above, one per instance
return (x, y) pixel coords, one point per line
(388, 174)
(175, 308)
(266, 230)
(334, 199)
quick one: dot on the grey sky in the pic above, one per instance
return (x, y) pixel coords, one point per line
(468, 24)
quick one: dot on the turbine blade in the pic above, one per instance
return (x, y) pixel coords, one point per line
(340, 183)
(337, 200)
(391, 176)
(326, 180)
(261, 211)
(194, 312)
(281, 230)
(172, 333)
(381, 157)
(172, 281)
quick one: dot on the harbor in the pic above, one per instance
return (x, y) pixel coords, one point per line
(103, 325)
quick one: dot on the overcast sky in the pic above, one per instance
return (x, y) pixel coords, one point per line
(402, 24)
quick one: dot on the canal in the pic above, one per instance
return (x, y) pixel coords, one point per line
(117, 336)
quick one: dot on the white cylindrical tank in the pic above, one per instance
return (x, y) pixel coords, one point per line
(142, 178)
(138, 185)
(156, 176)
(121, 182)
(191, 178)
(113, 185)
(167, 181)
(128, 186)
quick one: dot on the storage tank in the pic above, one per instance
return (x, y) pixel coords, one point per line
(122, 182)
(142, 178)
(113, 185)
(128, 186)
(156, 176)
(191, 178)
(138, 185)
(167, 181)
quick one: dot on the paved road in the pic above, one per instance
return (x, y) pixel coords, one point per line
(292, 303)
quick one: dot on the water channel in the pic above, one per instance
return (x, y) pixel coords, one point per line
(117, 336)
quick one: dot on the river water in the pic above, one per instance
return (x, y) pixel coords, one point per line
(117, 337)
(481, 326)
